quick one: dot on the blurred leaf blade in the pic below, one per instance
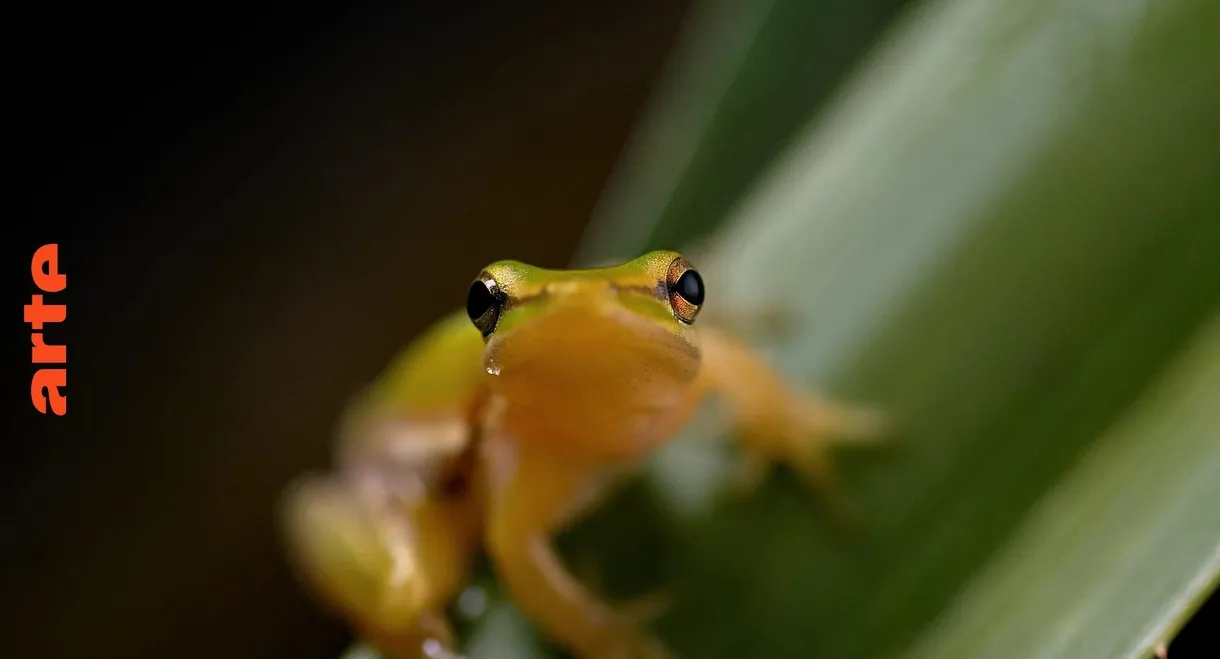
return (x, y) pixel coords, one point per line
(1002, 230)
(706, 61)
(1128, 543)
(766, 65)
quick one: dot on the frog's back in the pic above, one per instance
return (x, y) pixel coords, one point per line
(401, 495)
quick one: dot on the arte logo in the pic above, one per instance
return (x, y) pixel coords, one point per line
(48, 381)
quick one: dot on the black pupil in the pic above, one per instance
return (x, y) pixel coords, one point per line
(690, 287)
(479, 300)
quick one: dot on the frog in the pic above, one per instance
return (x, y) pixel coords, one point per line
(506, 422)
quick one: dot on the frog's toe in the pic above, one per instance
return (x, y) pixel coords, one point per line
(827, 422)
(645, 609)
(749, 473)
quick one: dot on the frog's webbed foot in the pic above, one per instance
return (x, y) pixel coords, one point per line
(779, 423)
(804, 442)
(385, 565)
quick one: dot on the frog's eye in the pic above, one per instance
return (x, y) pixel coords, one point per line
(685, 288)
(484, 303)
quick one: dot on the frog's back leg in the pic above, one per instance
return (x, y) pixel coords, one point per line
(385, 564)
(387, 539)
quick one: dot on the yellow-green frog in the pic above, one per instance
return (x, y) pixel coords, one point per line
(505, 422)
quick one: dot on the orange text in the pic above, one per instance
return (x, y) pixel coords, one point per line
(47, 383)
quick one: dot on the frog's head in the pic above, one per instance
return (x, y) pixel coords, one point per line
(615, 338)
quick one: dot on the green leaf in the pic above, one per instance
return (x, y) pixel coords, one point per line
(1005, 230)
(764, 65)
(1117, 555)
(1002, 230)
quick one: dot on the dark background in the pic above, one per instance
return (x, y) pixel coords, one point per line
(255, 209)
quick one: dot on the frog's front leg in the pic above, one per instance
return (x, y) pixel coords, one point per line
(776, 421)
(535, 491)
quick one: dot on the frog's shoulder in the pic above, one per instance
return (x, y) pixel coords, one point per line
(439, 369)
(416, 415)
